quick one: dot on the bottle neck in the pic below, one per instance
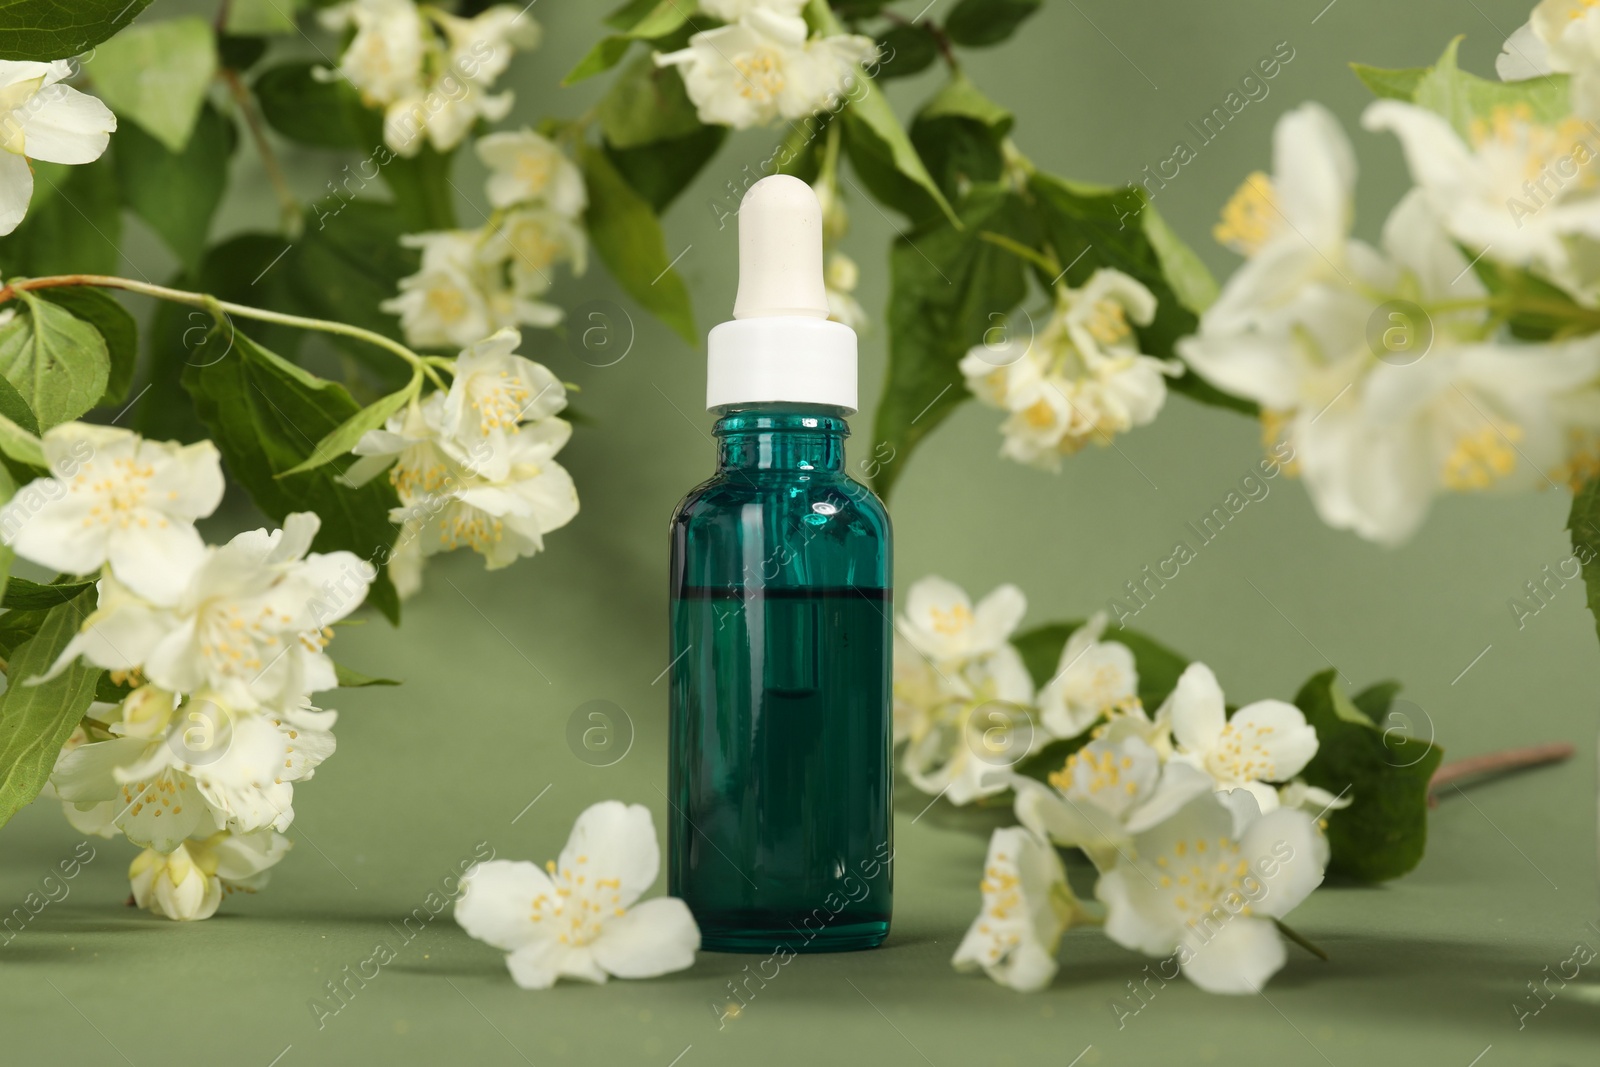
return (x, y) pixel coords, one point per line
(781, 437)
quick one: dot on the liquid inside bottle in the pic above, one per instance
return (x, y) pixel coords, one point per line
(780, 831)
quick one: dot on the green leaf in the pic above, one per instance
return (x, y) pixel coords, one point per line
(177, 193)
(58, 363)
(947, 287)
(240, 53)
(15, 409)
(36, 720)
(663, 18)
(1092, 227)
(343, 438)
(628, 15)
(979, 23)
(906, 49)
(878, 145)
(250, 268)
(266, 415)
(349, 679)
(116, 327)
(423, 195)
(323, 114)
(157, 74)
(23, 595)
(798, 155)
(247, 17)
(330, 114)
(348, 261)
(1394, 84)
(658, 20)
(627, 236)
(46, 30)
(661, 170)
(606, 53)
(1188, 276)
(958, 134)
(19, 444)
(1462, 97)
(646, 103)
(1159, 666)
(887, 162)
(74, 222)
(1384, 774)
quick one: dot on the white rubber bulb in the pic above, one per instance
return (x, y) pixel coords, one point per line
(780, 251)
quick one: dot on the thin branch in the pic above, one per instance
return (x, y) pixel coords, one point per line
(1512, 759)
(293, 221)
(217, 308)
(1300, 939)
(1048, 263)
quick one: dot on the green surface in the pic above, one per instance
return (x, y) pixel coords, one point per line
(1424, 971)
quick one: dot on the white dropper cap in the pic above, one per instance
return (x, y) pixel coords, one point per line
(780, 345)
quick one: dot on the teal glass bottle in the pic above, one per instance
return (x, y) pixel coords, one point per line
(780, 829)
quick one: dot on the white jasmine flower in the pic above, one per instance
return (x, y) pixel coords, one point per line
(115, 498)
(494, 391)
(1521, 188)
(1133, 721)
(579, 920)
(249, 624)
(462, 293)
(1082, 378)
(966, 710)
(188, 883)
(1293, 226)
(40, 118)
(762, 68)
(1094, 678)
(430, 87)
(412, 443)
(1561, 36)
(503, 519)
(211, 768)
(172, 884)
(941, 622)
(1524, 55)
(1377, 429)
(1268, 741)
(968, 745)
(529, 242)
(384, 58)
(1105, 793)
(1207, 884)
(480, 48)
(526, 167)
(470, 469)
(444, 304)
(1027, 906)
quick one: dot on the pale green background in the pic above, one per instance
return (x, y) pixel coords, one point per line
(1423, 971)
